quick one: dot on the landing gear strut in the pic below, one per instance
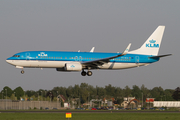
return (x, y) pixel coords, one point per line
(22, 71)
(83, 73)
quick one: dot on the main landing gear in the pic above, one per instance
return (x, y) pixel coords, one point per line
(88, 73)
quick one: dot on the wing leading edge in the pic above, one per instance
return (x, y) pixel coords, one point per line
(95, 63)
(160, 56)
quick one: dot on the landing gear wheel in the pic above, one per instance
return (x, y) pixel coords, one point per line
(22, 72)
(83, 73)
(89, 73)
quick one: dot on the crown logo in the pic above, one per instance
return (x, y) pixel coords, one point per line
(152, 41)
(42, 54)
(72, 66)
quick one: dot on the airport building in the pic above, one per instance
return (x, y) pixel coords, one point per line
(168, 104)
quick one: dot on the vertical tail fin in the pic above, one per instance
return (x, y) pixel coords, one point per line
(152, 44)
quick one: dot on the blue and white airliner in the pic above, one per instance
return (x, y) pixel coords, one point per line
(81, 61)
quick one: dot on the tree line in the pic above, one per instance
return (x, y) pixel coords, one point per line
(85, 92)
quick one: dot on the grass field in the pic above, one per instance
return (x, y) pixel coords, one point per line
(90, 116)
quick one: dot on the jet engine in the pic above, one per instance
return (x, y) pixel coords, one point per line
(73, 67)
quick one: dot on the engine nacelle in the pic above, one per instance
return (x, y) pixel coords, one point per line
(73, 67)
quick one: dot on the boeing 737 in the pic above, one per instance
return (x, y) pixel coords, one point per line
(81, 61)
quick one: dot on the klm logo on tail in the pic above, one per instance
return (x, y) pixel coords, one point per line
(152, 44)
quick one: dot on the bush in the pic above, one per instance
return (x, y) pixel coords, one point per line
(173, 109)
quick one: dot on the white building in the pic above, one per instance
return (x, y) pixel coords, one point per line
(166, 103)
(126, 101)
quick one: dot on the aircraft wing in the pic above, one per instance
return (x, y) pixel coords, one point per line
(95, 63)
(160, 56)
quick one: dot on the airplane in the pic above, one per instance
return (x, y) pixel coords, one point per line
(81, 61)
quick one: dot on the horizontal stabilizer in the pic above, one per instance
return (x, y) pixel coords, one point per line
(159, 56)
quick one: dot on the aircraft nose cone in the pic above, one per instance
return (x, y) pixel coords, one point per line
(8, 61)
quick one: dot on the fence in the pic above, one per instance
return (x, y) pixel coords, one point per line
(25, 105)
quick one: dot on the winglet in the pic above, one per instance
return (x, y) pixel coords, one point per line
(92, 50)
(126, 50)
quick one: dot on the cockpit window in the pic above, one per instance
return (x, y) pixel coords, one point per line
(16, 55)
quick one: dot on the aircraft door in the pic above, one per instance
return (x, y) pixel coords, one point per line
(137, 59)
(27, 56)
(80, 58)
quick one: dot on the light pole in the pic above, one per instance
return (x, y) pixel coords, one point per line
(2, 95)
(142, 99)
(45, 95)
(57, 100)
(68, 103)
(41, 100)
(24, 99)
(88, 100)
(60, 100)
(6, 99)
(38, 99)
(31, 99)
(72, 100)
(79, 102)
(14, 95)
(41, 96)
(50, 100)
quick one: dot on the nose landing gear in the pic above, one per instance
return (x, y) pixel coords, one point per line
(22, 71)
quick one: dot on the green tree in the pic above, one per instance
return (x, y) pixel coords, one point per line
(136, 92)
(110, 90)
(84, 92)
(100, 91)
(76, 90)
(168, 95)
(127, 91)
(69, 92)
(19, 92)
(157, 93)
(8, 90)
(176, 94)
(145, 91)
